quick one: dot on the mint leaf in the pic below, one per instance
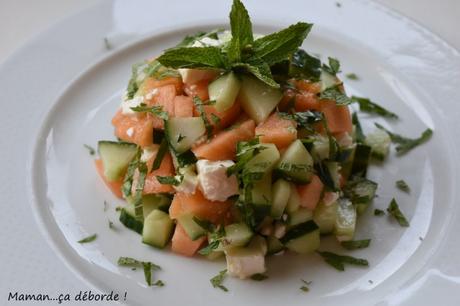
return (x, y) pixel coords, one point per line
(259, 69)
(334, 66)
(194, 57)
(88, 239)
(278, 46)
(304, 66)
(169, 180)
(393, 209)
(190, 39)
(154, 110)
(402, 185)
(339, 261)
(378, 212)
(217, 280)
(406, 144)
(368, 106)
(356, 244)
(352, 76)
(335, 94)
(241, 26)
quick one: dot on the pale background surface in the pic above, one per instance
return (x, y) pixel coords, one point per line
(22, 19)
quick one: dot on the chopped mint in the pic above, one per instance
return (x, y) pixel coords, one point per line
(88, 239)
(217, 280)
(91, 150)
(402, 185)
(393, 209)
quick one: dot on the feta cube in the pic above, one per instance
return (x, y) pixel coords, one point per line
(134, 102)
(213, 180)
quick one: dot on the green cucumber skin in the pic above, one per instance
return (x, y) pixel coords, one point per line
(193, 230)
(130, 221)
(299, 230)
(305, 244)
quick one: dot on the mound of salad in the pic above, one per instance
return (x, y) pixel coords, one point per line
(242, 146)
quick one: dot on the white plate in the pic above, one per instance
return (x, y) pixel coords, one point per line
(401, 65)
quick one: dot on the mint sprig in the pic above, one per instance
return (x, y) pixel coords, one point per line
(242, 54)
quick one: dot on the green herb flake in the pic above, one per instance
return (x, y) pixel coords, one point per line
(378, 212)
(215, 237)
(155, 110)
(405, 144)
(352, 76)
(305, 287)
(199, 105)
(169, 180)
(215, 119)
(259, 277)
(402, 185)
(147, 272)
(138, 207)
(158, 283)
(162, 150)
(217, 280)
(334, 65)
(146, 265)
(338, 4)
(91, 150)
(338, 261)
(393, 209)
(368, 106)
(356, 244)
(335, 94)
(88, 239)
(129, 176)
(111, 225)
(107, 44)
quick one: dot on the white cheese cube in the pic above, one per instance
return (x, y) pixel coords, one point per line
(213, 180)
(134, 102)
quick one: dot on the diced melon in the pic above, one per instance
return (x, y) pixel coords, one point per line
(224, 91)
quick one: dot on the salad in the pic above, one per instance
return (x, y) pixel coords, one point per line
(243, 146)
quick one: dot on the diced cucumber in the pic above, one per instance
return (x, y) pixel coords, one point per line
(348, 164)
(293, 203)
(265, 160)
(302, 238)
(361, 160)
(280, 197)
(257, 246)
(262, 191)
(320, 149)
(346, 220)
(325, 216)
(115, 157)
(328, 80)
(155, 201)
(274, 245)
(360, 191)
(296, 163)
(300, 216)
(128, 219)
(379, 141)
(158, 228)
(258, 99)
(237, 234)
(151, 202)
(184, 132)
(193, 230)
(224, 91)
